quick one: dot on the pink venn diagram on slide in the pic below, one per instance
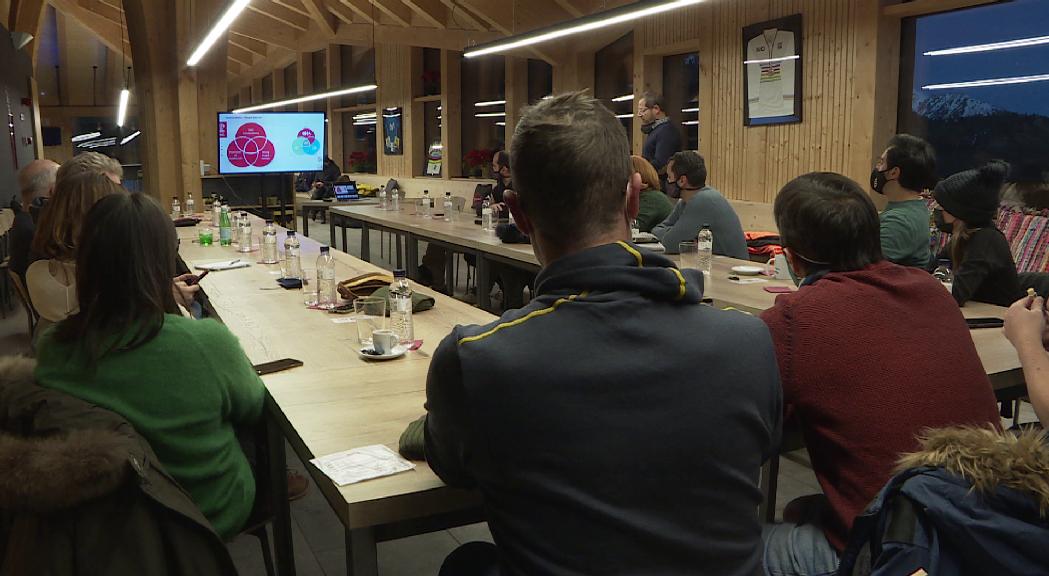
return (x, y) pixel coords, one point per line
(250, 147)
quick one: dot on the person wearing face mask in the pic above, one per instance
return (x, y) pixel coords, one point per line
(984, 269)
(870, 353)
(907, 167)
(662, 137)
(700, 205)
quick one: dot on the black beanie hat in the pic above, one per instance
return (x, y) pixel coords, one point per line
(973, 195)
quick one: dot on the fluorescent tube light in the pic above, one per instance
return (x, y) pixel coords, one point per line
(770, 60)
(130, 137)
(490, 103)
(101, 143)
(500, 123)
(311, 97)
(691, 123)
(989, 82)
(217, 30)
(623, 98)
(490, 115)
(371, 122)
(689, 110)
(1020, 43)
(620, 15)
(125, 94)
(624, 115)
(364, 115)
(85, 136)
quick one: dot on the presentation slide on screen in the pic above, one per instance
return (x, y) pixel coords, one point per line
(271, 142)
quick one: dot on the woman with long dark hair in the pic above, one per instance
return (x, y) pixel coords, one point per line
(182, 383)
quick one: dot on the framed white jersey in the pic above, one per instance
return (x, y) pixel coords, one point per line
(772, 66)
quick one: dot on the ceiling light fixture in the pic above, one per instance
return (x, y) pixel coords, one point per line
(130, 137)
(490, 115)
(623, 98)
(604, 19)
(689, 110)
(989, 82)
(85, 136)
(624, 115)
(311, 97)
(489, 103)
(125, 95)
(690, 123)
(771, 60)
(1019, 43)
(217, 30)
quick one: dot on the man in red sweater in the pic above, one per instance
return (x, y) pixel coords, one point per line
(870, 354)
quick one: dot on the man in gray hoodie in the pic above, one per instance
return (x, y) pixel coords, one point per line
(615, 425)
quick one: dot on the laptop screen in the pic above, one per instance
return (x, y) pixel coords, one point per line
(346, 191)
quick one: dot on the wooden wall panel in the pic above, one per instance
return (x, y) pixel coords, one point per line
(393, 74)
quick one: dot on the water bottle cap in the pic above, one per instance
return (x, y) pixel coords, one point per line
(706, 226)
(291, 233)
(325, 249)
(269, 222)
(399, 273)
(944, 261)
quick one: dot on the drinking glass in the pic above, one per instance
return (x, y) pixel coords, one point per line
(309, 287)
(689, 254)
(205, 237)
(371, 316)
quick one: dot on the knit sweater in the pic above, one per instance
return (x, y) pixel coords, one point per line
(706, 207)
(183, 392)
(868, 359)
(653, 208)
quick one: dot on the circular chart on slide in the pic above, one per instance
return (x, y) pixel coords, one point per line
(250, 147)
(306, 143)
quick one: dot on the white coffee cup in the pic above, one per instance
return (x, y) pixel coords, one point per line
(384, 341)
(777, 267)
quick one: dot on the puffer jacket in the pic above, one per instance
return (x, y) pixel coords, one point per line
(82, 493)
(971, 501)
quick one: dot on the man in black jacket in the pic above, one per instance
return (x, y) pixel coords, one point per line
(614, 424)
(662, 137)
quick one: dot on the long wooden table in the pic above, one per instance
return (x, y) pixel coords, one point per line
(323, 206)
(337, 401)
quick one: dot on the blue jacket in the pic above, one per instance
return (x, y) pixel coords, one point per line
(930, 518)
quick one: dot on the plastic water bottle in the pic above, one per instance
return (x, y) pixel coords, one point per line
(705, 245)
(190, 208)
(449, 207)
(401, 307)
(395, 200)
(944, 275)
(176, 209)
(425, 206)
(216, 211)
(635, 229)
(486, 216)
(293, 266)
(269, 243)
(326, 297)
(225, 228)
(382, 197)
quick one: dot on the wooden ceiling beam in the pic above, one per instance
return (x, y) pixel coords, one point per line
(239, 54)
(396, 10)
(432, 11)
(250, 44)
(320, 14)
(107, 31)
(261, 28)
(342, 12)
(104, 10)
(361, 8)
(460, 13)
(570, 7)
(493, 13)
(277, 13)
(294, 6)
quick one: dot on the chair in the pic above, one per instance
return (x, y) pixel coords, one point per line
(23, 295)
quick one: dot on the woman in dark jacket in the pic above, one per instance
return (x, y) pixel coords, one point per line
(984, 269)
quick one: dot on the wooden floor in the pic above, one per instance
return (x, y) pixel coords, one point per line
(318, 534)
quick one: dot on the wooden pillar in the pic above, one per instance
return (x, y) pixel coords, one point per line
(516, 93)
(875, 63)
(451, 113)
(334, 131)
(256, 91)
(26, 16)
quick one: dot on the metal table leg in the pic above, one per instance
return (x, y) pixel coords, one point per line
(331, 228)
(361, 555)
(412, 256)
(484, 271)
(305, 222)
(366, 245)
(400, 262)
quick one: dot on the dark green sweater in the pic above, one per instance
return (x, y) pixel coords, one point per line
(653, 209)
(183, 391)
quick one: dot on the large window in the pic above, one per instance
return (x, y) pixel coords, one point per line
(357, 112)
(483, 112)
(614, 80)
(974, 102)
(681, 93)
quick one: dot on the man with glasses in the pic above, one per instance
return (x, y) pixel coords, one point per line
(662, 137)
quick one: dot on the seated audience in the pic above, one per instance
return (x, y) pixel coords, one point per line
(51, 279)
(1027, 327)
(654, 206)
(36, 182)
(182, 383)
(905, 168)
(870, 353)
(595, 455)
(984, 269)
(700, 205)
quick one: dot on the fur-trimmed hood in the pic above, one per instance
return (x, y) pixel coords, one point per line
(988, 459)
(56, 451)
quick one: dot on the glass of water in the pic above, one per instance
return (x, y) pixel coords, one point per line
(309, 287)
(371, 316)
(689, 254)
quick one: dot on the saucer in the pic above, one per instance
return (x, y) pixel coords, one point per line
(748, 270)
(368, 353)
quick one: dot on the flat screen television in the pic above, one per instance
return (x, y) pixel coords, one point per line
(271, 142)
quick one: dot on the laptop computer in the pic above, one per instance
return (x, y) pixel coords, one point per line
(345, 191)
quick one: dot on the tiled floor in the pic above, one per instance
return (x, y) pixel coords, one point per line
(318, 534)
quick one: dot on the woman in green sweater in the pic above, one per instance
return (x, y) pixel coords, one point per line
(182, 383)
(654, 205)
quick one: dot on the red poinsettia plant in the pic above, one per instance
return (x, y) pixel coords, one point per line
(475, 160)
(431, 82)
(362, 161)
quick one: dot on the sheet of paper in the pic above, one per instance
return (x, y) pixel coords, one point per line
(223, 265)
(361, 464)
(749, 281)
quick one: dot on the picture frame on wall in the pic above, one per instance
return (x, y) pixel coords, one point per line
(391, 131)
(772, 72)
